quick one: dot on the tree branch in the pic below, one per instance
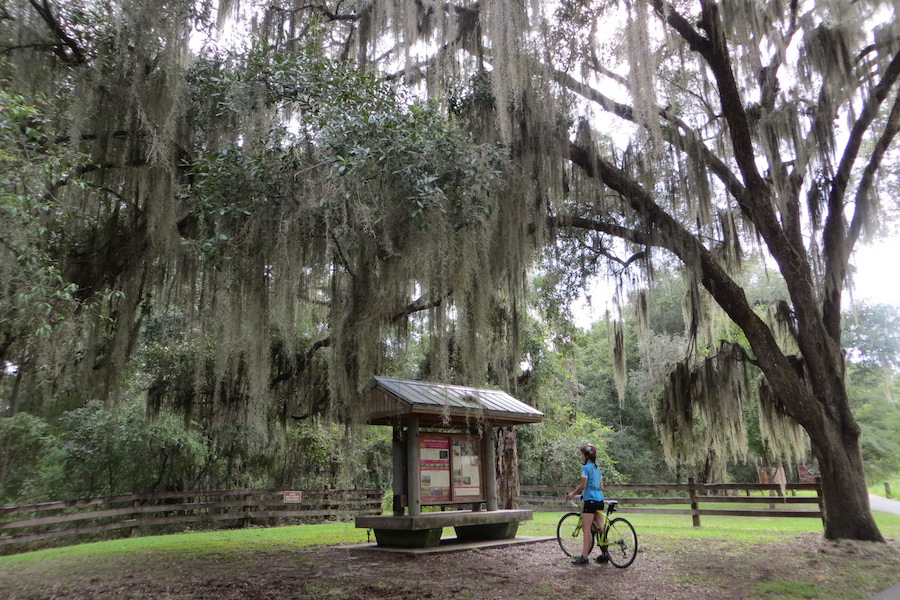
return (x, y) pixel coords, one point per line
(321, 8)
(418, 306)
(838, 245)
(45, 11)
(860, 127)
(863, 200)
(662, 230)
(667, 13)
(690, 142)
(300, 362)
(629, 235)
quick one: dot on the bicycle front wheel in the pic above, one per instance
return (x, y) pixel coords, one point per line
(569, 536)
(622, 543)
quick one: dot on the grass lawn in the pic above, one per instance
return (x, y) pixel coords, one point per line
(743, 529)
(674, 527)
(879, 488)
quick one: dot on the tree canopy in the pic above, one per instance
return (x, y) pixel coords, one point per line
(281, 210)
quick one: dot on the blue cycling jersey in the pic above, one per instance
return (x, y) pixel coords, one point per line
(591, 472)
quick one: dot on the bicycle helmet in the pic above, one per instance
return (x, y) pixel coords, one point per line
(590, 451)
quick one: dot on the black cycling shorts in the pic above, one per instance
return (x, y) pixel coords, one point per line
(593, 506)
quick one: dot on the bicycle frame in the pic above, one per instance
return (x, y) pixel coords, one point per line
(617, 539)
(600, 537)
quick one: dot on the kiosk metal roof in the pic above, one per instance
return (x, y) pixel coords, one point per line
(443, 405)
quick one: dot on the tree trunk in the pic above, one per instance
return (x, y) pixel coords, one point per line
(714, 468)
(846, 499)
(507, 469)
(834, 434)
(823, 410)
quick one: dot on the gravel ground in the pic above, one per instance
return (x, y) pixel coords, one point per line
(664, 570)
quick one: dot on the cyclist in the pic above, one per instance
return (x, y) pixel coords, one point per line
(591, 488)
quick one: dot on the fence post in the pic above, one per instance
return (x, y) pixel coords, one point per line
(819, 496)
(692, 492)
(248, 497)
(135, 504)
(887, 489)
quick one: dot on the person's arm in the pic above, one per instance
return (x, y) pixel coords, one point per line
(579, 489)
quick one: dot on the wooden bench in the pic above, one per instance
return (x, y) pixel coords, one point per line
(425, 530)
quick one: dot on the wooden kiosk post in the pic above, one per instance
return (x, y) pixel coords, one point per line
(413, 490)
(444, 455)
(398, 451)
(490, 475)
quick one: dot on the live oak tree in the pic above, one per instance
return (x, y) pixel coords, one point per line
(283, 189)
(750, 128)
(750, 118)
(262, 220)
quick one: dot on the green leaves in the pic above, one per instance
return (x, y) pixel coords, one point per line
(113, 450)
(418, 161)
(35, 299)
(377, 163)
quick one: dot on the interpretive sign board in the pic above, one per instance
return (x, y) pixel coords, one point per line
(466, 468)
(450, 468)
(434, 468)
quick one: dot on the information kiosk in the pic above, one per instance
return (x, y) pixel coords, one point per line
(444, 455)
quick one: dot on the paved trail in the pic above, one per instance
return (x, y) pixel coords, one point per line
(884, 504)
(891, 506)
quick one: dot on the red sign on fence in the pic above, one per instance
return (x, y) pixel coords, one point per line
(293, 496)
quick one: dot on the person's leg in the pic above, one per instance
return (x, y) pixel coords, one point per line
(599, 519)
(586, 530)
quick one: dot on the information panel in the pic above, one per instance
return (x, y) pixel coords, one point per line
(449, 468)
(434, 468)
(466, 468)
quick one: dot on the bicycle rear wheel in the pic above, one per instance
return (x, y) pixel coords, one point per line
(569, 536)
(623, 543)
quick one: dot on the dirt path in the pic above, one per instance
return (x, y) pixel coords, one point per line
(695, 570)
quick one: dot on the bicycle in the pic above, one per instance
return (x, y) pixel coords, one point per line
(618, 537)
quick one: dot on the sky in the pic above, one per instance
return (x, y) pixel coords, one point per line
(878, 274)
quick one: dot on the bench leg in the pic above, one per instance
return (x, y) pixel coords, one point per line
(419, 538)
(490, 531)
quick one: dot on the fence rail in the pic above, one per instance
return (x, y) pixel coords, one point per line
(29, 526)
(23, 526)
(782, 501)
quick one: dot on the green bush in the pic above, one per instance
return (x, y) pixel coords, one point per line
(117, 450)
(24, 441)
(549, 450)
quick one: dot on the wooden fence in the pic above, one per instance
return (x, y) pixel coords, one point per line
(28, 527)
(781, 501)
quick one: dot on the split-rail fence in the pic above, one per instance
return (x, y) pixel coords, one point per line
(773, 500)
(30, 526)
(73, 521)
